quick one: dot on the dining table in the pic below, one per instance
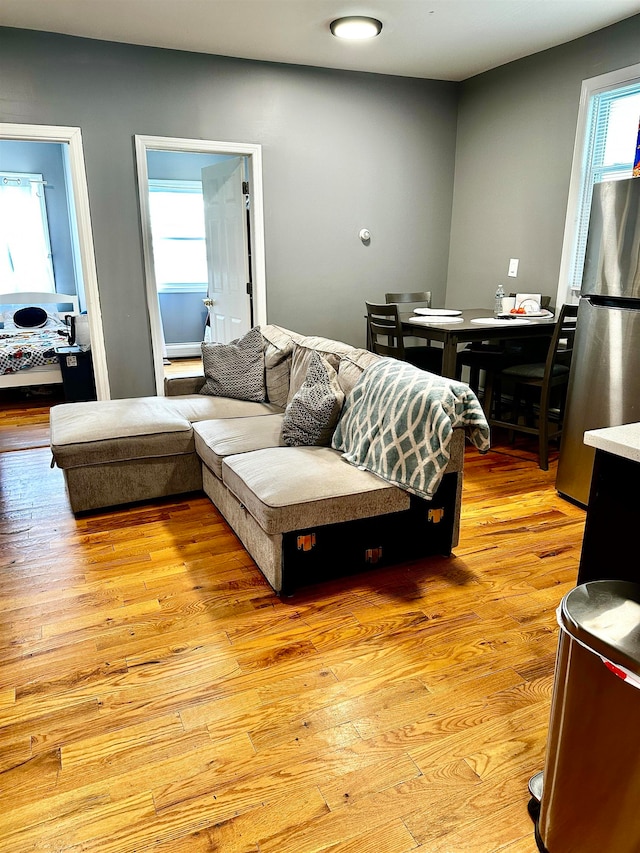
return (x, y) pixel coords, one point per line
(472, 324)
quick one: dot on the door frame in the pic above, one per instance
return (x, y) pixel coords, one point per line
(72, 137)
(253, 153)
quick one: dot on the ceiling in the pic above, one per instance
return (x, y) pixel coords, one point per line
(437, 39)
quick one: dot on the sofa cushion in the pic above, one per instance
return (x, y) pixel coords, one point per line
(311, 416)
(278, 350)
(114, 430)
(217, 439)
(293, 488)
(235, 369)
(198, 407)
(352, 366)
(302, 351)
(175, 386)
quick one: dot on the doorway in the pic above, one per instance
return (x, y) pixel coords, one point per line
(80, 264)
(203, 241)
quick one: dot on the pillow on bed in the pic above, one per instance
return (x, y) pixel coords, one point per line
(311, 416)
(30, 318)
(236, 369)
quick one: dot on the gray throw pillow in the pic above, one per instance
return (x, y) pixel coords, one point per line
(278, 349)
(236, 369)
(311, 416)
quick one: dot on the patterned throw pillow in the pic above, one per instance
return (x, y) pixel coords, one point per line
(311, 416)
(330, 350)
(236, 369)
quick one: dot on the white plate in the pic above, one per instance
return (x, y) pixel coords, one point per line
(437, 312)
(431, 321)
(496, 321)
(528, 314)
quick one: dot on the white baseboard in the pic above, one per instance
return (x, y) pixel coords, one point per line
(190, 350)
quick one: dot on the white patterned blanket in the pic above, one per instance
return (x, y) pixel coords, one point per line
(398, 422)
(22, 349)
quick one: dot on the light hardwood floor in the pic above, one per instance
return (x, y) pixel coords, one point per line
(183, 367)
(156, 696)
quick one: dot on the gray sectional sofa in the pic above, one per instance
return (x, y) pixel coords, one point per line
(304, 511)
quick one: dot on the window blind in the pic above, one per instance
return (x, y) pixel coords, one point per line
(612, 130)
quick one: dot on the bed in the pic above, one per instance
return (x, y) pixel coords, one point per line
(27, 356)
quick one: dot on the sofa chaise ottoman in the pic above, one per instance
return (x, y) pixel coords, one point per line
(122, 451)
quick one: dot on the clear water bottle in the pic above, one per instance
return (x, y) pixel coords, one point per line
(500, 294)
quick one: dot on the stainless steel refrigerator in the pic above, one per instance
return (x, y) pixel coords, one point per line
(604, 384)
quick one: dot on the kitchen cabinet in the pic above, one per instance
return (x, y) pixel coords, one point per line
(609, 548)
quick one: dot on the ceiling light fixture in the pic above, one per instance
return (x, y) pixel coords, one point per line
(356, 27)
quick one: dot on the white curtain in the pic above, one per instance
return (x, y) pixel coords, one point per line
(25, 262)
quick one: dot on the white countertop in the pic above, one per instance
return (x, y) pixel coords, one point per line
(619, 440)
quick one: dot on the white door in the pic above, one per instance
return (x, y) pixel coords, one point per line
(225, 219)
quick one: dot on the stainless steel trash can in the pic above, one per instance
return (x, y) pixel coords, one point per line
(590, 799)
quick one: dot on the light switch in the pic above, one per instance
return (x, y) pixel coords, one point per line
(513, 267)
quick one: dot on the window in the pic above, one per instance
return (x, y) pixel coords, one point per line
(25, 250)
(606, 140)
(612, 131)
(177, 225)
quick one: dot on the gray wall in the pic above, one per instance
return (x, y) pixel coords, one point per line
(45, 158)
(516, 132)
(341, 150)
(183, 316)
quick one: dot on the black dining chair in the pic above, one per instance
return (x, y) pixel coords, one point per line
(494, 358)
(413, 299)
(538, 389)
(409, 301)
(385, 337)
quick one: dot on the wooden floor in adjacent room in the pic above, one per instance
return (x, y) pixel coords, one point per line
(155, 695)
